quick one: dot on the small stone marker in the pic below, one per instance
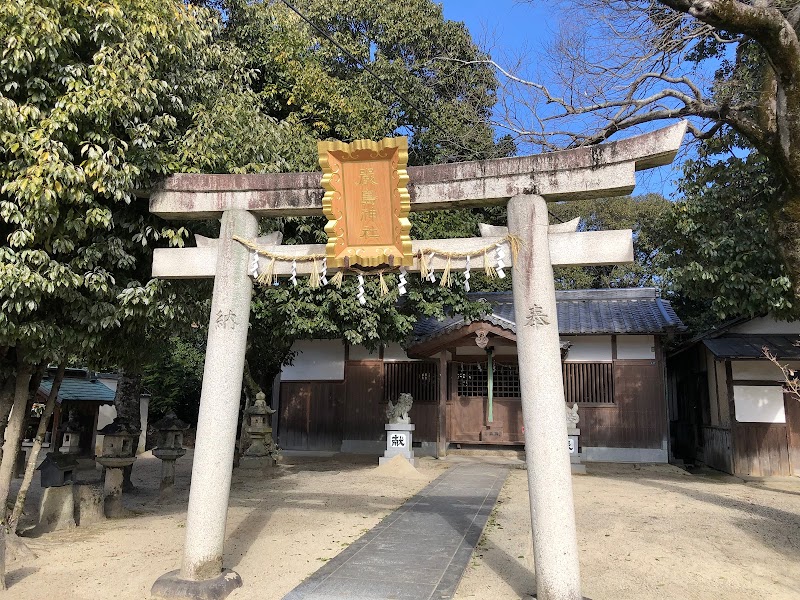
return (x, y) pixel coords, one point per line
(118, 453)
(170, 448)
(260, 453)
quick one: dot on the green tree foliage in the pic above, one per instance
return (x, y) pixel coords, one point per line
(175, 377)
(98, 100)
(303, 77)
(723, 262)
(445, 107)
(644, 215)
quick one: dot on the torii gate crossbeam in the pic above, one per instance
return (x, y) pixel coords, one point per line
(529, 182)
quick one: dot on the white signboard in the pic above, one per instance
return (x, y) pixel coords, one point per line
(572, 440)
(397, 440)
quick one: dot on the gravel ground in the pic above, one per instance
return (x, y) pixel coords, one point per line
(644, 532)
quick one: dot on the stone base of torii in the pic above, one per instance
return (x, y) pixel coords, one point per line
(529, 182)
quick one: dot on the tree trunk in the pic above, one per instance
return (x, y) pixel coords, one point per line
(127, 401)
(6, 400)
(19, 505)
(13, 433)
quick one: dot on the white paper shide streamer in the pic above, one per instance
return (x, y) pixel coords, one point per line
(401, 283)
(323, 277)
(499, 255)
(361, 299)
(466, 275)
(431, 274)
(293, 278)
(253, 269)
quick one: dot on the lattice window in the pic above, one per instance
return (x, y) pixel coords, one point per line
(588, 383)
(585, 383)
(473, 380)
(506, 381)
(418, 378)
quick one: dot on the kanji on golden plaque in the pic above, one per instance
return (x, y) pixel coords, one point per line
(366, 202)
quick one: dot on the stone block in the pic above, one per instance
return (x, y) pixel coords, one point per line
(56, 509)
(89, 500)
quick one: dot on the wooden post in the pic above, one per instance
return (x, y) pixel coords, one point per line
(441, 430)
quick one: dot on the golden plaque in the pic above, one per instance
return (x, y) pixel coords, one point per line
(366, 202)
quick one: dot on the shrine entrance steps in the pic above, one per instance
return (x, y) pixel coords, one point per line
(418, 552)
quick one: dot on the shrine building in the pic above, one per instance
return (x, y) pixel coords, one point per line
(334, 396)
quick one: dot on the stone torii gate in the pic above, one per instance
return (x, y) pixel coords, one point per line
(529, 182)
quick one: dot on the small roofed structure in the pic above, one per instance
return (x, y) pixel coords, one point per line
(57, 469)
(727, 403)
(464, 377)
(81, 395)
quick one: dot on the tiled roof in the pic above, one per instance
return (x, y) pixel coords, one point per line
(75, 388)
(750, 346)
(580, 312)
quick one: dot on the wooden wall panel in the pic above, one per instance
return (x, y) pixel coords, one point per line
(294, 413)
(717, 448)
(465, 419)
(424, 416)
(793, 431)
(508, 415)
(760, 449)
(638, 417)
(365, 411)
(310, 415)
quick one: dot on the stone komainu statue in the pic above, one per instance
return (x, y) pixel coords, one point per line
(398, 413)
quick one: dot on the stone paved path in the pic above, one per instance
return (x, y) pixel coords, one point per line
(420, 551)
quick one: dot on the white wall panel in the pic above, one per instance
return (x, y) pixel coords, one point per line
(759, 370)
(394, 353)
(316, 360)
(759, 403)
(636, 347)
(361, 353)
(767, 325)
(588, 348)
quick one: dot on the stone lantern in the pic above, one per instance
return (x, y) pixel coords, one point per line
(119, 438)
(71, 443)
(260, 453)
(170, 448)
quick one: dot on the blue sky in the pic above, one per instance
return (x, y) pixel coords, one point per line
(511, 27)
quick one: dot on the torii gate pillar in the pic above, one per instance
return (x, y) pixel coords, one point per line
(201, 574)
(555, 544)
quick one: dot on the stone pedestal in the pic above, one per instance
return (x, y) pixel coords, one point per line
(112, 489)
(56, 509)
(168, 456)
(89, 504)
(399, 441)
(575, 457)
